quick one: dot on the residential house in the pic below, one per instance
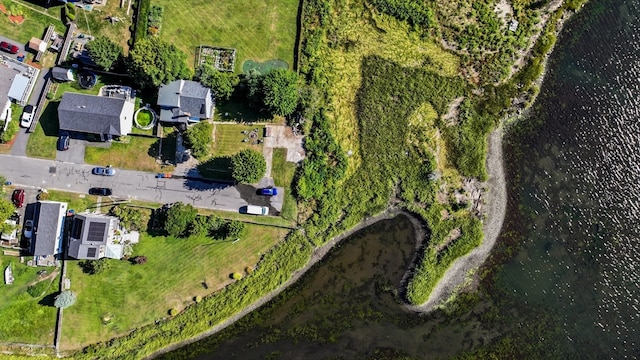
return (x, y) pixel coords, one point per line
(185, 101)
(48, 231)
(96, 236)
(99, 115)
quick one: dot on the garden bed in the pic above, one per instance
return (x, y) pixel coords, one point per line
(223, 59)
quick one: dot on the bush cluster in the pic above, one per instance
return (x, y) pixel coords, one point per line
(182, 220)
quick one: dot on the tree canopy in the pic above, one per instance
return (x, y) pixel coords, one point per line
(153, 62)
(6, 210)
(221, 83)
(248, 166)
(65, 299)
(199, 138)
(95, 267)
(280, 91)
(179, 218)
(104, 52)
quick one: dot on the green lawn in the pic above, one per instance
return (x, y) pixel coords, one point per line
(237, 110)
(75, 201)
(176, 271)
(228, 139)
(24, 318)
(42, 142)
(35, 23)
(282, 172)
(259, 29)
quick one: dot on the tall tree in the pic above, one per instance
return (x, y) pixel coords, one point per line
(280, 91)
(6, 210)
(199, 138)
(104, 52)
(179, 218)
(220, 82)
(153, 62)
(248, 166)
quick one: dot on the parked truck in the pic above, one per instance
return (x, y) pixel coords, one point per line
(257, 210)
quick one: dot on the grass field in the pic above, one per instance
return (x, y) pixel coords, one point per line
(35, 24)
(228, 139)
(146, 150)
(282, 172)
(259, 29)
(24, 318)
(177, 270)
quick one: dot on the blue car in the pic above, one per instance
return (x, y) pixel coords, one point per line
(104, 171)
(269, 191)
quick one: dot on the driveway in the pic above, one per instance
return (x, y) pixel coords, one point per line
(75, 153)
(19, 147)
(129, 184)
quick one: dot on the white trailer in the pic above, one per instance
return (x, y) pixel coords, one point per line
(257, 210)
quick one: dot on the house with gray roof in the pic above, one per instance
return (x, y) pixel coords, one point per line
(97, 236)
(185, 101)
(90, 114)
(62, 74)
(48, 231)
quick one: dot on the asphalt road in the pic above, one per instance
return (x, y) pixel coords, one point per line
(133, 185)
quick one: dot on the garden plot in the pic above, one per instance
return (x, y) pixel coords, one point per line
(223, 59)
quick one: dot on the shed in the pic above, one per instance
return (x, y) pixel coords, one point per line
(37, 44)
(18, 88)
(62, 74)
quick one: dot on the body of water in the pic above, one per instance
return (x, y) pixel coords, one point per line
(570, 290)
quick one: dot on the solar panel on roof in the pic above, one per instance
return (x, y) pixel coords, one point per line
(96, 231)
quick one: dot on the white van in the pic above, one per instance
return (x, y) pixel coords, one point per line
(257, 210)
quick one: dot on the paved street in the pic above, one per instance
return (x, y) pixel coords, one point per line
(132, 185)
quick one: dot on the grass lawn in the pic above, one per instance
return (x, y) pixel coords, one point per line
(260, 30)
(228, 139)
(238, 111)
(119, 153)
(75, 201)
(177, 270)
(282, 172)
(35, 23)
(42, 142)
(96, 23)
(24, 318)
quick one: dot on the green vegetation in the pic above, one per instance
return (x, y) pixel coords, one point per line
(95, 267)
(258, 30)
(153, 62)
(26, 318)
(6, 209)
(130, 217)
(104, 52)
(65, 299)
(175, 272)
(280, 91)
(179, 218)
(144, 117)
(34, 24)
(199, 138)
(221, 83)
(229, 139)
(14, 124)
(248, 166)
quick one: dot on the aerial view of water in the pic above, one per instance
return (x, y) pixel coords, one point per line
(572, 283)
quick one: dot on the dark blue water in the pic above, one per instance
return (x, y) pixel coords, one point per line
(568, 287)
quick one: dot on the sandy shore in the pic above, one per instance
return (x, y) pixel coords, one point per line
(496, 205)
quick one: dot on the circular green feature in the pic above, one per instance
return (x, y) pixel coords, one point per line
(264, 67)
(144, 118)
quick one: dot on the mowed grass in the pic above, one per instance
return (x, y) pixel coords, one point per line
(121, 154)
(228, 139)
(177, 270)
(259, 29)
(35, 23)
(282, 172)
(24, 318)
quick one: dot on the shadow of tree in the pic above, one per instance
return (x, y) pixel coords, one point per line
(217, 168)
(49, 119)
(49, 299)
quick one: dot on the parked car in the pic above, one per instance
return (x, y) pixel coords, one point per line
(18, 197)
(100, 191)
(28, 229)
(10, 48)
(104, 171)
(63, 142)
(269, 191)
(27, 116)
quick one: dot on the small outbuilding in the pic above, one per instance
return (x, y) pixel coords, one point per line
(62, 74)
(38, 45)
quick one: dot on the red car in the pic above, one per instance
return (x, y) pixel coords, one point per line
(18, 197)
(10, 48)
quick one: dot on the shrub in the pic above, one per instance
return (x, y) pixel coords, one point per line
(131, 218)
(236, 276)
(173, 312)
(199, 138)
(95, 267)
(248, 270)
(65, 299)
(179, 218)
(38, 289)
(280, 90)
(197, 298)
(140, 259)
(248, 166)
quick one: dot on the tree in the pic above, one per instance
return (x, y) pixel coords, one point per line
(104, 52)
(248, 166)
(179, 217)
(95, 267)
(199, 138)
(234, 229)
(280, 91)
(220, 82)
(200, 226)
(6, 210)
(131, 218)
(153, 62)
(65, 299)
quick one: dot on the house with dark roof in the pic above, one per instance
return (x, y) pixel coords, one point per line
(48, 231)
(90, 114)
(97, 236)
(185, 101)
